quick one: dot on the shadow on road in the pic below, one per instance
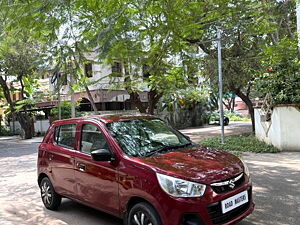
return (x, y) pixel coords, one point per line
(13, 149)
(276, 191)
(78, 211)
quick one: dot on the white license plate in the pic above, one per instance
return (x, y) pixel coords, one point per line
(234, 201)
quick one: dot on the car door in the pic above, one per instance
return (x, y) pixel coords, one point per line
(61, 159)
(96, 182)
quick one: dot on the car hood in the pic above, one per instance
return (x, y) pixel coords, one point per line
(200, 164)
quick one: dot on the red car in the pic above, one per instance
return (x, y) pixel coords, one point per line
(138, 168)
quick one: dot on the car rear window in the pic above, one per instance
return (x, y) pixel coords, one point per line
(65, 135)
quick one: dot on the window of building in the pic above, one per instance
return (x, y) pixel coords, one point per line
(65, 135)
(116, 69)
(88, 70)
(92, 139)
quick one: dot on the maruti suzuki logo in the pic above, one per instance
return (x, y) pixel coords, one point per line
(231, 184)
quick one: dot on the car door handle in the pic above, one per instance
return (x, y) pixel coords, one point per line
(81, 166)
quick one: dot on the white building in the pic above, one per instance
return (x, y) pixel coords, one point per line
(107, 94)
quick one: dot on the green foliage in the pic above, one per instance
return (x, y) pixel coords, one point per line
(24, 104)
(4, 131)
(164, 35)
(190, 97)
(236, 117)
(65, 110)
(187, 98)
(283, 79)
(135, 33)
(215, 116)
(239, 144)
(21, 59)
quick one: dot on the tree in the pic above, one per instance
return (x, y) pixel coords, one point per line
(282, 76)
(164, 35)
(247, 31)
(19, 63)
(135, 33)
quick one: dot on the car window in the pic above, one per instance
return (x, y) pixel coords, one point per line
(92, 139)
(65, 135)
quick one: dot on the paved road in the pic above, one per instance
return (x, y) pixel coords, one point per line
(276, 179)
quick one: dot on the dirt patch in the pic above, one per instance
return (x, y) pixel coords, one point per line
(234, 128)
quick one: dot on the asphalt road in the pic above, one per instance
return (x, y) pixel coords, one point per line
(276, 179)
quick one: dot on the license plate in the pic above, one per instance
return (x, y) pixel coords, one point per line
(234, 201)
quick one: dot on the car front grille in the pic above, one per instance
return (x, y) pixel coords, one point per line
(217, 217)
(228, 185)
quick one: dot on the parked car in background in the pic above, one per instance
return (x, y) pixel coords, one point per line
(138, 168)
(214, 118)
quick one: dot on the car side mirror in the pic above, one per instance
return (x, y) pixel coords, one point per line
(102, 155)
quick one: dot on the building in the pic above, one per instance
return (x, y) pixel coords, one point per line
(107, 93)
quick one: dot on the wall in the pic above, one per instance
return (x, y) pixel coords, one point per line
(283, 131)
(183, 118)
(39, 126)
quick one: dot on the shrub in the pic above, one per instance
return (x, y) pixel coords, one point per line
(246, 143)
(65, 110)
(3, 131)
(236, 117)
(282, 79)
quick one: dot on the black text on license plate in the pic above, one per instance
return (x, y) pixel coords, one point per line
(234, 201)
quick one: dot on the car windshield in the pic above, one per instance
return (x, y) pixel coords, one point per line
(145, 137)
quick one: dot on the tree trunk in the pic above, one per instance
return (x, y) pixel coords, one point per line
(23, 118)
(153, 98)
(233, 104)
(95, 110)
(135, 98)
(6, 92)
(27, 124)
(249, 104)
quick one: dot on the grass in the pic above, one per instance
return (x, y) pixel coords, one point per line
(238, 118)
(237, 144)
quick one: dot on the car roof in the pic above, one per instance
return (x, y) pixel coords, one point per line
(106, 118)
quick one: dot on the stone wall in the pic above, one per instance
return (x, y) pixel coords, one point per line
(183, 118)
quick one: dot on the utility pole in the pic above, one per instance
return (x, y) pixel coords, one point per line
(72, 96)
(298, 23)
(220, 84)
(58, 95)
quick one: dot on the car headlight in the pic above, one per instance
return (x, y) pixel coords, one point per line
(246, 169)
(180, 188)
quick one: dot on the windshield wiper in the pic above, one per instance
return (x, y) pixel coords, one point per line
(167, 147)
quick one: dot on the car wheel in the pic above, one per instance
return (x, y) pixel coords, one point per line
(226, 122)
(50, 198)
(143, 214)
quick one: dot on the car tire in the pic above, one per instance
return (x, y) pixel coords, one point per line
(143, 213)
(49, 197)
(226, 122)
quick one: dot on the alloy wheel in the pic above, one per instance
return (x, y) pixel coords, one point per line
(46, 193)
(141, 218)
